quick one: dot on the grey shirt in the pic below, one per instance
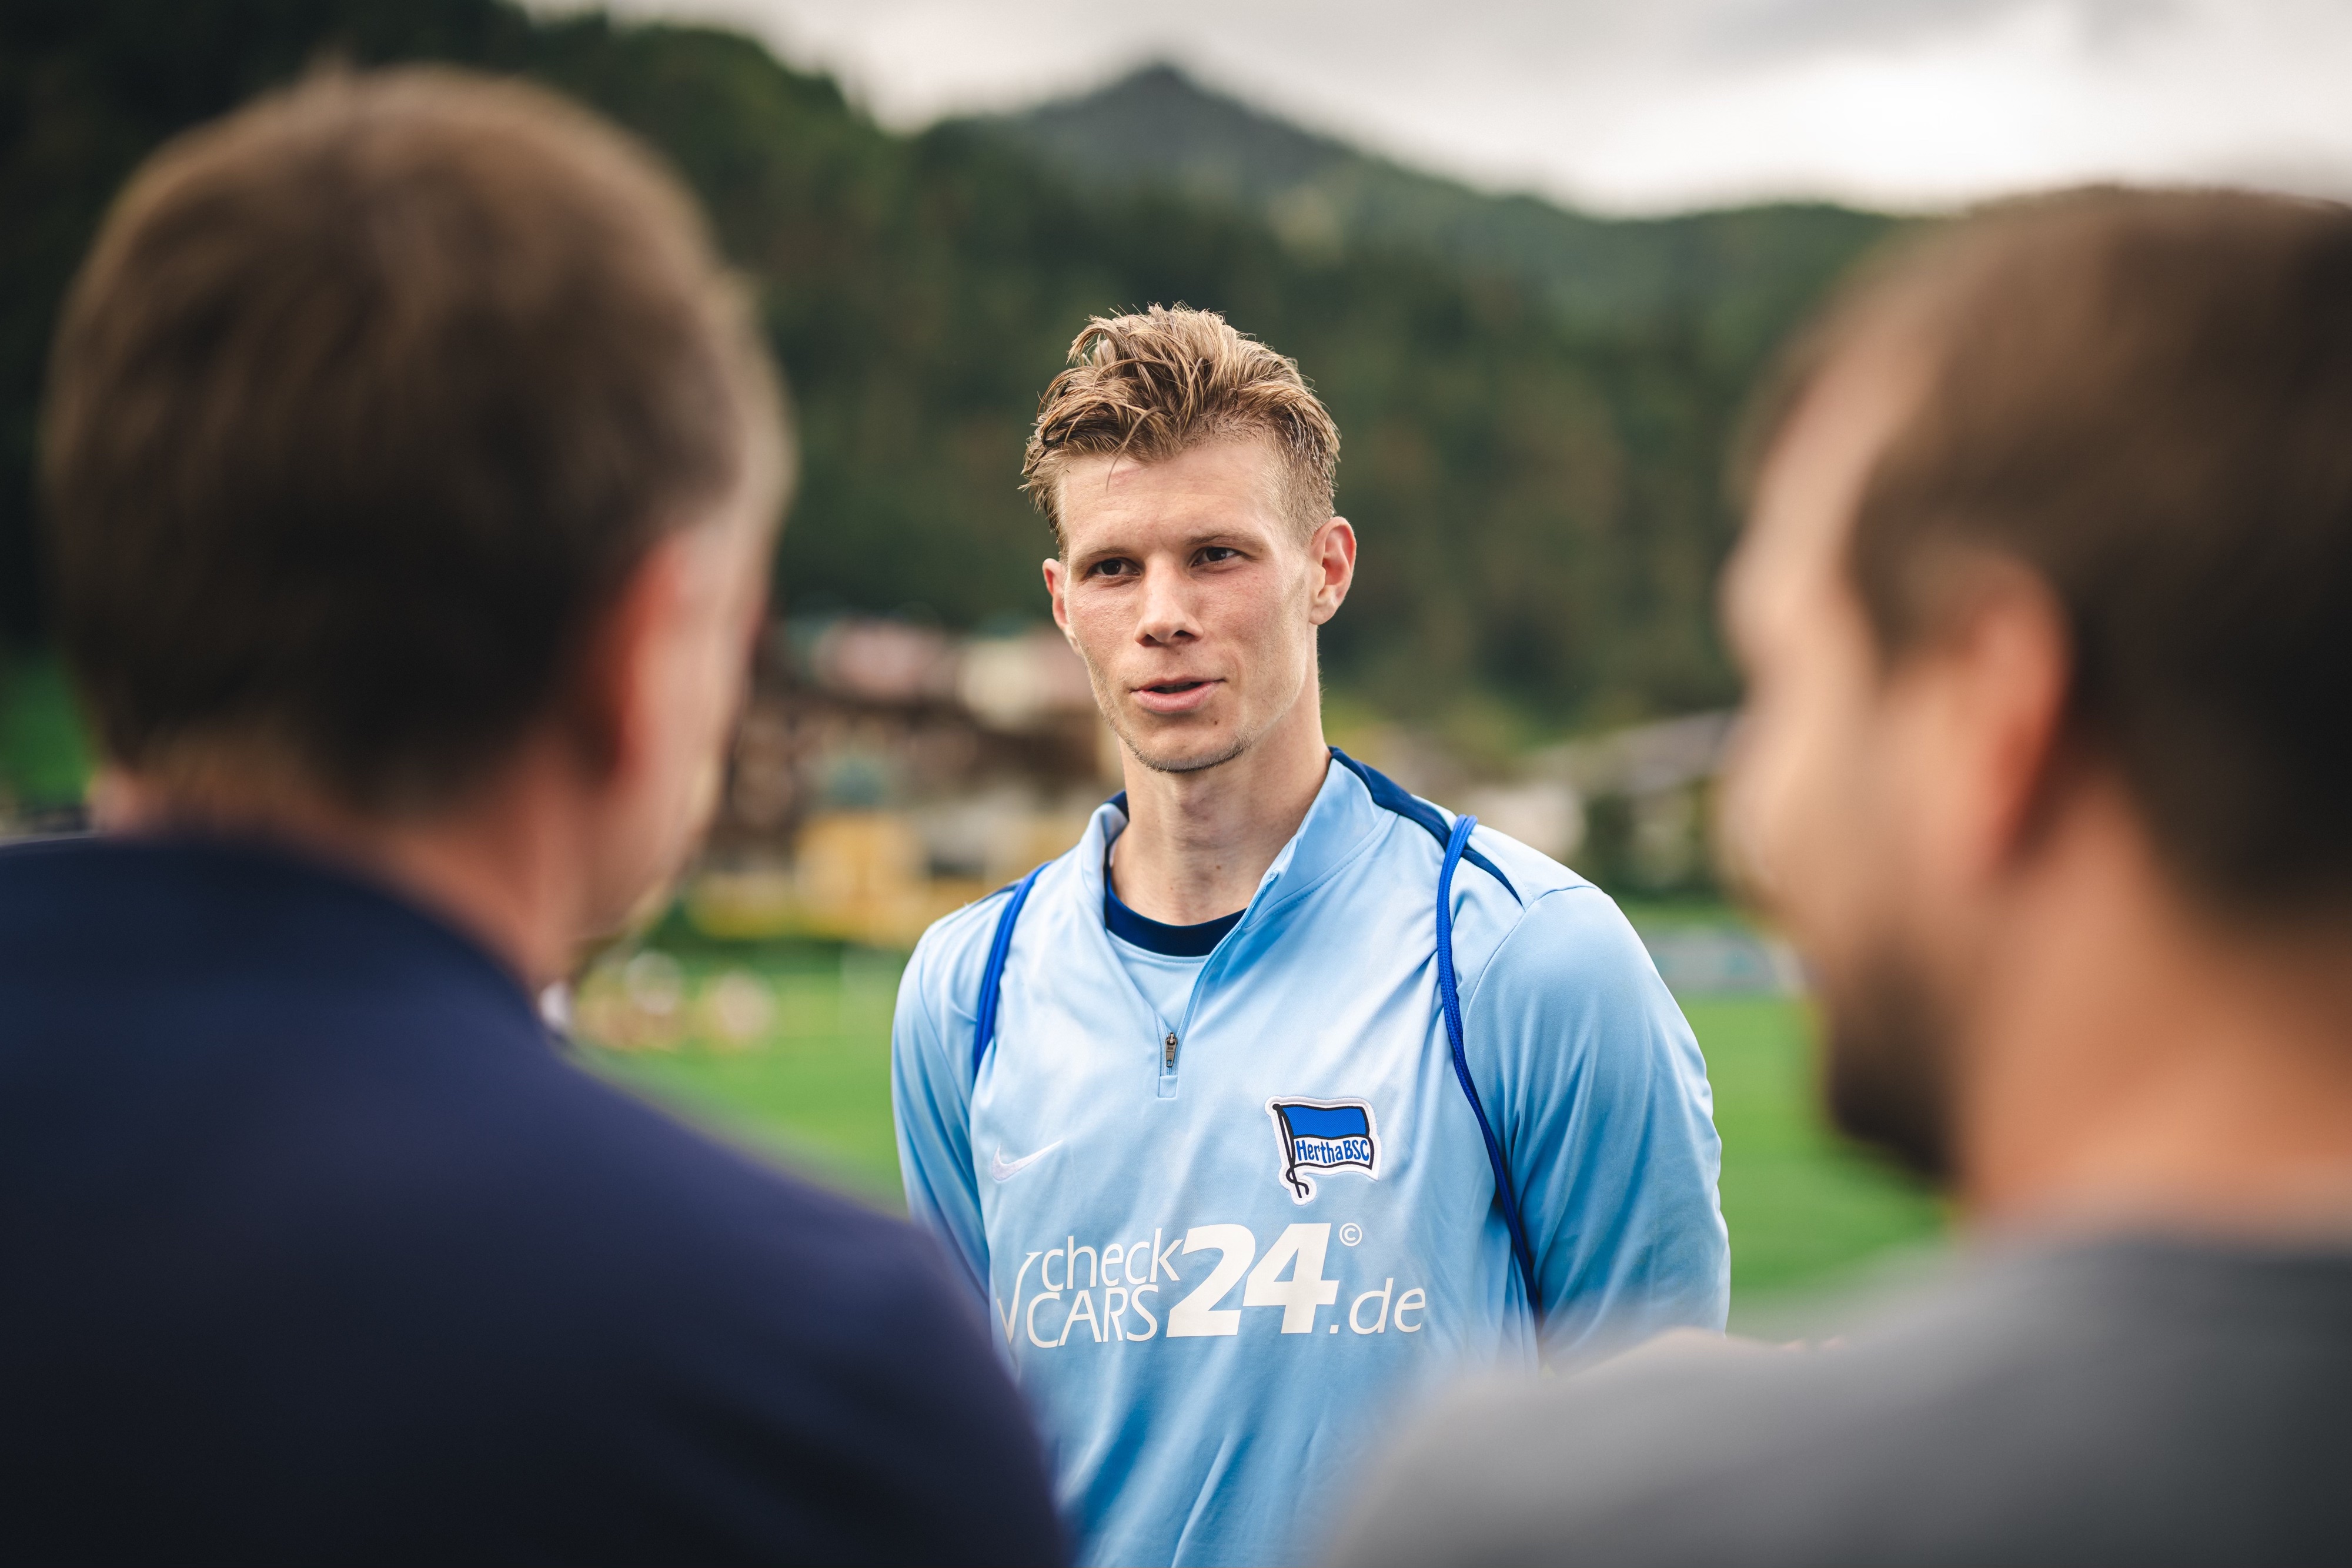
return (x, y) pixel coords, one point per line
(2131, 1401)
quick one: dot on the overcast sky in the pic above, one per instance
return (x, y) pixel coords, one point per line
(1657, 105)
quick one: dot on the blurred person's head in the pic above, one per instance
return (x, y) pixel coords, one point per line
(413, 462)
(1187, 470)
(2041, 604)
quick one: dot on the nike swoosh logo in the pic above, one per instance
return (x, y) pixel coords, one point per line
(1003, 1169)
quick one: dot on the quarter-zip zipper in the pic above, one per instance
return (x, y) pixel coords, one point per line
(1171, 1041)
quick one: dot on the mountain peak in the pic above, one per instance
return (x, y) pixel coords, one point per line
(1160, 127)
(1158, 76)
(1158, 124)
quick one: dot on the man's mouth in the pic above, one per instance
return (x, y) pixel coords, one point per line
(1174, 696)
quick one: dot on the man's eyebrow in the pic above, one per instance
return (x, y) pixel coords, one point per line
(1221, 536)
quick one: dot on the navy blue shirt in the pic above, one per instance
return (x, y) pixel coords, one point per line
(313, 1249)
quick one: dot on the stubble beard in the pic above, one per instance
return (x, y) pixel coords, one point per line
(1888, 1076)
(1236, 742)
(1236, 745)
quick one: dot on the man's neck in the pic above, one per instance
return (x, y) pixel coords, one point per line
(1197, 844)
(496, 873)
(2141, 1060)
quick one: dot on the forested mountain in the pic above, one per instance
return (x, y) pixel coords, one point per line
(1739, 274)
(1534, 474)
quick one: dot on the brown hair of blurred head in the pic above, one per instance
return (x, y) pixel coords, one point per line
(1160, 382)
(2145, 400)
(366, 403)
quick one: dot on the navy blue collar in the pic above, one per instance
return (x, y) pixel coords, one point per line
(1158, 937)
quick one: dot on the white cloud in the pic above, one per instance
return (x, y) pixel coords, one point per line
(1651, 105)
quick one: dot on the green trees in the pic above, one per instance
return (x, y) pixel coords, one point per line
(1536, 488)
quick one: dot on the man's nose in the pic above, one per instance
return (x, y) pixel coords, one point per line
(1167, 610)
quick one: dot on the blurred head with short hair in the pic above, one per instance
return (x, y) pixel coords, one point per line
(413, 462)
(415, 467)
(2048, 728)
(2043, 770)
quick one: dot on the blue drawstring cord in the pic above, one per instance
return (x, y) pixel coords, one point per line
(1450, 994)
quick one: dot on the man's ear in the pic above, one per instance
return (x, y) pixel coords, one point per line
(1332, 550)
(1056, 578)
(1991, 685)
(609, 714)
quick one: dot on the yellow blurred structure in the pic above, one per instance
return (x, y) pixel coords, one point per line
(867, 876)
(857, 876)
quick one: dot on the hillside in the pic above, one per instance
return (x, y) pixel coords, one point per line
(1536, 482)
(1739, 274)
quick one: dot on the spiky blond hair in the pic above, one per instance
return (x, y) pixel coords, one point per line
(1159, 382)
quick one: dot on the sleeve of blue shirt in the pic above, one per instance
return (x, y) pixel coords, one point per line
(1608, 1125)
(930, 1101)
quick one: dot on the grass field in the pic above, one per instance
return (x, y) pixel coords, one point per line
(43, 759)
(810, 1087)
(813, 1088)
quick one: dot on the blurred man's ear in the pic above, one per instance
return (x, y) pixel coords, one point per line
(656, 702)
(1984, 699)
(606, 719)
(679, 631)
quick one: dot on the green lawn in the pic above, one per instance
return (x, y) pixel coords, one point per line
(43, 758)
(812, 1089)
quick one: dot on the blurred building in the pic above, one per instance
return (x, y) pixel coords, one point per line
(887, 773)
(1643, 801)
(1629, 808)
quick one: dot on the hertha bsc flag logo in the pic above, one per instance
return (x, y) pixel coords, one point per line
(1323, 1135)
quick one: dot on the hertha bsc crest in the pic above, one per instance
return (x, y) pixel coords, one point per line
(1323, 1135)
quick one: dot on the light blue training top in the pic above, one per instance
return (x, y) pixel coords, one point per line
(1166, 979)
(1225, 1251)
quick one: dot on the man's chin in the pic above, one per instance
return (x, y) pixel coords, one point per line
(1183, 753)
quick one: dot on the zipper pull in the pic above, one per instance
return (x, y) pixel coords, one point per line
(1168, 1055)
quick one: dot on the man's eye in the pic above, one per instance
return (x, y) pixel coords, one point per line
(1114, 567)
(1213, 553)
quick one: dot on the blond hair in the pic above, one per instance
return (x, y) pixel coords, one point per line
(1157, 383)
